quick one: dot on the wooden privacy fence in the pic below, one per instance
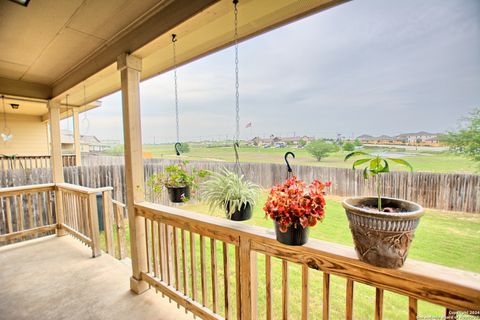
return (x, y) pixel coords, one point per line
(227, 282)
(453, 192)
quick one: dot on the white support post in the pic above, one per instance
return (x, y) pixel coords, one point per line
(76, 138)
(56, 159)
(130, 68)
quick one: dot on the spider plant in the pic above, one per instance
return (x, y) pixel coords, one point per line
(229, 191)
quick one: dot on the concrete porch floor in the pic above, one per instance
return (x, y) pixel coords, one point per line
(56, 278)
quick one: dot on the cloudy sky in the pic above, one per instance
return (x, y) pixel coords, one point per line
(368, 66)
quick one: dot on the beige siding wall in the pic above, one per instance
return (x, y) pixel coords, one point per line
(30, 135)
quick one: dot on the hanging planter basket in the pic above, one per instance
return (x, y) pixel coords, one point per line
(382, 239)
(178, 194)
(242, 214)
(294, 236)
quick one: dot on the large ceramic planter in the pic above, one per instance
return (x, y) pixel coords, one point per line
(382, 238)
(178, 194)
(243, 214)
(293, 236)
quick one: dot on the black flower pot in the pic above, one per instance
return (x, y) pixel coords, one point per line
(293, 236)
(245, 213)
(178, 194)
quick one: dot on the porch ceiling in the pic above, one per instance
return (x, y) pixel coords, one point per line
(56, 48)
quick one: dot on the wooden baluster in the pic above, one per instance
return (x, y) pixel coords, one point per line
(160, 252)
(175, 259)
(226, 274)
(378, 304)
(349, 298)
(284, 289)
(213, 261)
(412, 308)
(49, 208)
(193, 266)
(238, 282)
(147, 241)
(184, 263)
(20, 224)
(326, 296)
(121, 240)
(167, 253)
(154, 248)
(30, 211)
(268, 284)
(40, 209)
(8, 215)
(304, 292)
(107, 222)
(203, 272)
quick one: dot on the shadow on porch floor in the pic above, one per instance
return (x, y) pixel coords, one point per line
(56, 278)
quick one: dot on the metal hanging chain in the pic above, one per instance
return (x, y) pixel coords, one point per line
(237, 94)
(68, 122)
(174, 39)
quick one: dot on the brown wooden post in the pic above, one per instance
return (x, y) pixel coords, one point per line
(76, 138)
(93, 218)
(56, 162)
(107, 220)
(130, 68)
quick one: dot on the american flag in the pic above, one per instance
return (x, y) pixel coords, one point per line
(249, 125)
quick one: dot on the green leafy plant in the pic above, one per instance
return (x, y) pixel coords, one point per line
(348, 146)
(176, 176)
(229, 191)
(375, 165)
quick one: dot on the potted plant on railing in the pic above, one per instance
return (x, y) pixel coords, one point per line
(179, 182)
(382, 228)
(232, 193)
(294, 207)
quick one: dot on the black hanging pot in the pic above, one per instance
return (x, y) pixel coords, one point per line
(245, 213)
(178, 194)
(294, 236)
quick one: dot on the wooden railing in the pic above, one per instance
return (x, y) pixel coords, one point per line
(176, 240)
(36, 210)
(32, 162)
(26, 211)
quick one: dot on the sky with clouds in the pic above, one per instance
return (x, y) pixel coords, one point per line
(367, 66)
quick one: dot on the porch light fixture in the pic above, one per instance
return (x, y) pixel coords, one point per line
(21, 2)
(14, 106)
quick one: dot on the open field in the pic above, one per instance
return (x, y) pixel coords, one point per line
(434, 161)
(446, 238)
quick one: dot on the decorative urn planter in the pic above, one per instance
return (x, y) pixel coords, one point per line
(242, 214)
(178, 194)
(293, 236)
(382, 239)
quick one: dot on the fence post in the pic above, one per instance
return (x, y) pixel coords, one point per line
(247, 278)
(107, 222)
(93, 218)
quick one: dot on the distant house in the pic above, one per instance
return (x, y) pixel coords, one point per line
(274, 140)
(416, 137)
(87, 143)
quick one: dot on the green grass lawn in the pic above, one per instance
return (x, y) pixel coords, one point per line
(446, 238)
(420, 160)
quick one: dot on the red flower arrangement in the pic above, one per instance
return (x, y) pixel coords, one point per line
(293, 203)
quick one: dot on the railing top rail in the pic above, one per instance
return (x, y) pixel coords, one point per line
(26, 189)
(434, 283)
(81, 189)
(118, 203)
